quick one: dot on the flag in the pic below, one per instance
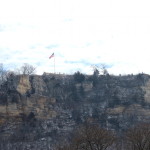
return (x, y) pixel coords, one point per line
(51, 56)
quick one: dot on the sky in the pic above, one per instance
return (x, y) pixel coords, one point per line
(80, 33)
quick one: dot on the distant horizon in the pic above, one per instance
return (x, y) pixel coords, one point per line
(63, 73)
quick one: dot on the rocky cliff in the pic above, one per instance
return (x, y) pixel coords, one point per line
(37, 112)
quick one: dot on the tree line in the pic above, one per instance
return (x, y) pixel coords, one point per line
(93, 137)
(25, 69)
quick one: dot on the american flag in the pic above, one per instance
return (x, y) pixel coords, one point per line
(51, 56)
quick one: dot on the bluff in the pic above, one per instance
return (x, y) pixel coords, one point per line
(38, 112)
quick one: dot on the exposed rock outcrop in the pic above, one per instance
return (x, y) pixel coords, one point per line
(38, 111)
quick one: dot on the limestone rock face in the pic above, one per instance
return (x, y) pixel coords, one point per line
(25, 97)
(40, 106)
(38, 111)
(24, 84)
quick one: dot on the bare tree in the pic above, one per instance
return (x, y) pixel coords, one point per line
(91, 137)
(27, 69)
(138, 137)
(100, 69)
(103, 69)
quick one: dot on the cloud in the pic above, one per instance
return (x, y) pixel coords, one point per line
(80, 33)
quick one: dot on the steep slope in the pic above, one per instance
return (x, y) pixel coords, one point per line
(37, 112)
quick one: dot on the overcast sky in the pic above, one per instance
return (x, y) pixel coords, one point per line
(81, 33)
